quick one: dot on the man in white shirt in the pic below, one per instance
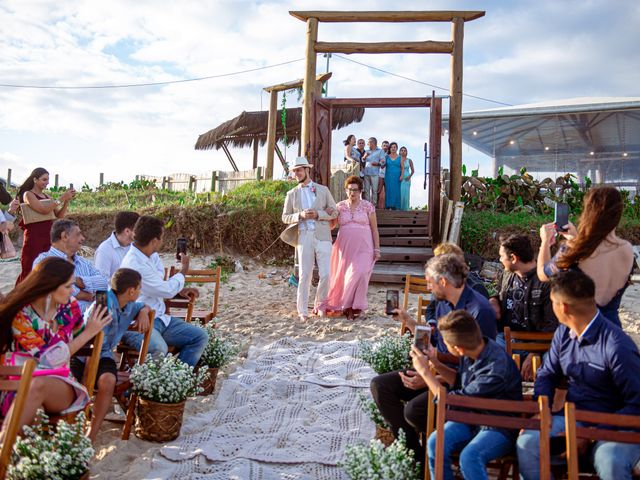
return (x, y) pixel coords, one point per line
(111, 252)
(308, 209)
(168, 331)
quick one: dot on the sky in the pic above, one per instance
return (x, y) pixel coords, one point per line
(520, 52)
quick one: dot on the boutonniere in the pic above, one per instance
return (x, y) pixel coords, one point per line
(313, 189)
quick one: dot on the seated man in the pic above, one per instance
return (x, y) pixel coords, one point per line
(523, 303)
(600, 363)
(485, 370)
(168, 331)
(110, 253)
(401, 396)
(122, 305)
(66, 240)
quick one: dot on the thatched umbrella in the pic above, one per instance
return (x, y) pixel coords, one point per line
(250, 128)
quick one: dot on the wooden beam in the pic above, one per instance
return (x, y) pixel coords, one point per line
(271, 133)
(255, 153)
(389, 16)
(384, 47)
(379, 102)
(455, 111)
(231, 161)
(281, 87)
(308, 86)
(282, 160)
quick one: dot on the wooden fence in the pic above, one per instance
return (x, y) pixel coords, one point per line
(216, 181)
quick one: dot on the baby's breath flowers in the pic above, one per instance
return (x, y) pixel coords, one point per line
(389, 353)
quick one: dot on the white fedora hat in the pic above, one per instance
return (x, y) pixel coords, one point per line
(301, 162)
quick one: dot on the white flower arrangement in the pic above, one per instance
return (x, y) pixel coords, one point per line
(166, 380)
(219, 351)
(63, 455)
(372, 411)
(375, 462)
(389, 353)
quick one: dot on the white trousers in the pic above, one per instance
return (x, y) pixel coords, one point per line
(371, 188)
(308, 249)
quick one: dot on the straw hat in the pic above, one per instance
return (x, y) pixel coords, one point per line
(301, 162)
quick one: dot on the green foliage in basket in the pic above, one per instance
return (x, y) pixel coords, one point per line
(389, 353)
(371, 409)
(375, 462)
(62, 455)
(166, 380)
(219, 351)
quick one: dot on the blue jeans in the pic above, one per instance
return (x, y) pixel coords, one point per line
(477, 448)
(189, 339)
(612, 460)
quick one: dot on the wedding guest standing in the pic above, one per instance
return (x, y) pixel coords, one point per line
(381, 173)
(407, 171)
(392, 178)
(353, 254)
(594, 248)
(352, 154)
(37, 234)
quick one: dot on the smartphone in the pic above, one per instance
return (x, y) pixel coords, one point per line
(422, 337)
(181, 247)
(561, 217)
(101, 298)
(392, 301)
(71, 186)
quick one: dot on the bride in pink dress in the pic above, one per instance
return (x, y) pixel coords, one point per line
(354, 253)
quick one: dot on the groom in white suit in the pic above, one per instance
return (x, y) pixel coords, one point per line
(308, 209)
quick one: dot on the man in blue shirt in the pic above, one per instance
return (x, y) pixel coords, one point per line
(485, 370)
(126, 285)
(402, 396)
(600, 363)
(373, 158)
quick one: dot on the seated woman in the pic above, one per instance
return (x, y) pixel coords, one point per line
(39, 319)
(354, 253)
(594, 248)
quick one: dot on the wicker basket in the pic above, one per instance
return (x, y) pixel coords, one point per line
(209, 385)
(158, 422)
(384, 435)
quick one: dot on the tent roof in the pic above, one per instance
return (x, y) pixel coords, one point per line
(242, 130)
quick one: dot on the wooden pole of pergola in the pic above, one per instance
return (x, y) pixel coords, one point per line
(452, 47)
(272, 126)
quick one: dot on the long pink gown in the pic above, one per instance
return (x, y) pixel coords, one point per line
(352, 259)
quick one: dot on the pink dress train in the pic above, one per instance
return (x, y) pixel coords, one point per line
(352, 259)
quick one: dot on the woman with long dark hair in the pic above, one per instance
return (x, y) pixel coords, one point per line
(593, 248)
(39, 319)
(36, 234)
(352, 154)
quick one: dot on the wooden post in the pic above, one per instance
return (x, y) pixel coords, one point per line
(164, 183)
(308, 86)
(255, 152)
(101, 179)
(55, 180)
(271, 133)
(259, 173)
(214, 177)
(8, 179)
(455, 110)
(192, 181)
(137, 178)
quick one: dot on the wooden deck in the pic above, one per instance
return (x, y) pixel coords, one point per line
(405, 245)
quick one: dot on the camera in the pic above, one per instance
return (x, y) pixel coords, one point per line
(181, 247)
(422, 337)
(392, 301)
(102, 299)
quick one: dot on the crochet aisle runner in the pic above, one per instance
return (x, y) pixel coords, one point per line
(288, 413)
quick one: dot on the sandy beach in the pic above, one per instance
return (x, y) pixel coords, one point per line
(256, 307)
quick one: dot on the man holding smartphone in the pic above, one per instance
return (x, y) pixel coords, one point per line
(143, 257)
(307, 211)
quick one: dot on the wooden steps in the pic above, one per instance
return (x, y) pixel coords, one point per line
(405, 245)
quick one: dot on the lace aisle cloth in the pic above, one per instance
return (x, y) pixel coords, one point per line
(288, 413)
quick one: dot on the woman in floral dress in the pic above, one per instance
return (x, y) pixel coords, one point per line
(354, 253)
(39, 319)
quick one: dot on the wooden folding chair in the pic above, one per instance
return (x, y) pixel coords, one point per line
(475, 413)
(416, 285)
(8, 383)
(536, 343)
(183, 308)
(123, 382)
(596, 431)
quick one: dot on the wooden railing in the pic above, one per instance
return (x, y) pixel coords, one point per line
(216, 181)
